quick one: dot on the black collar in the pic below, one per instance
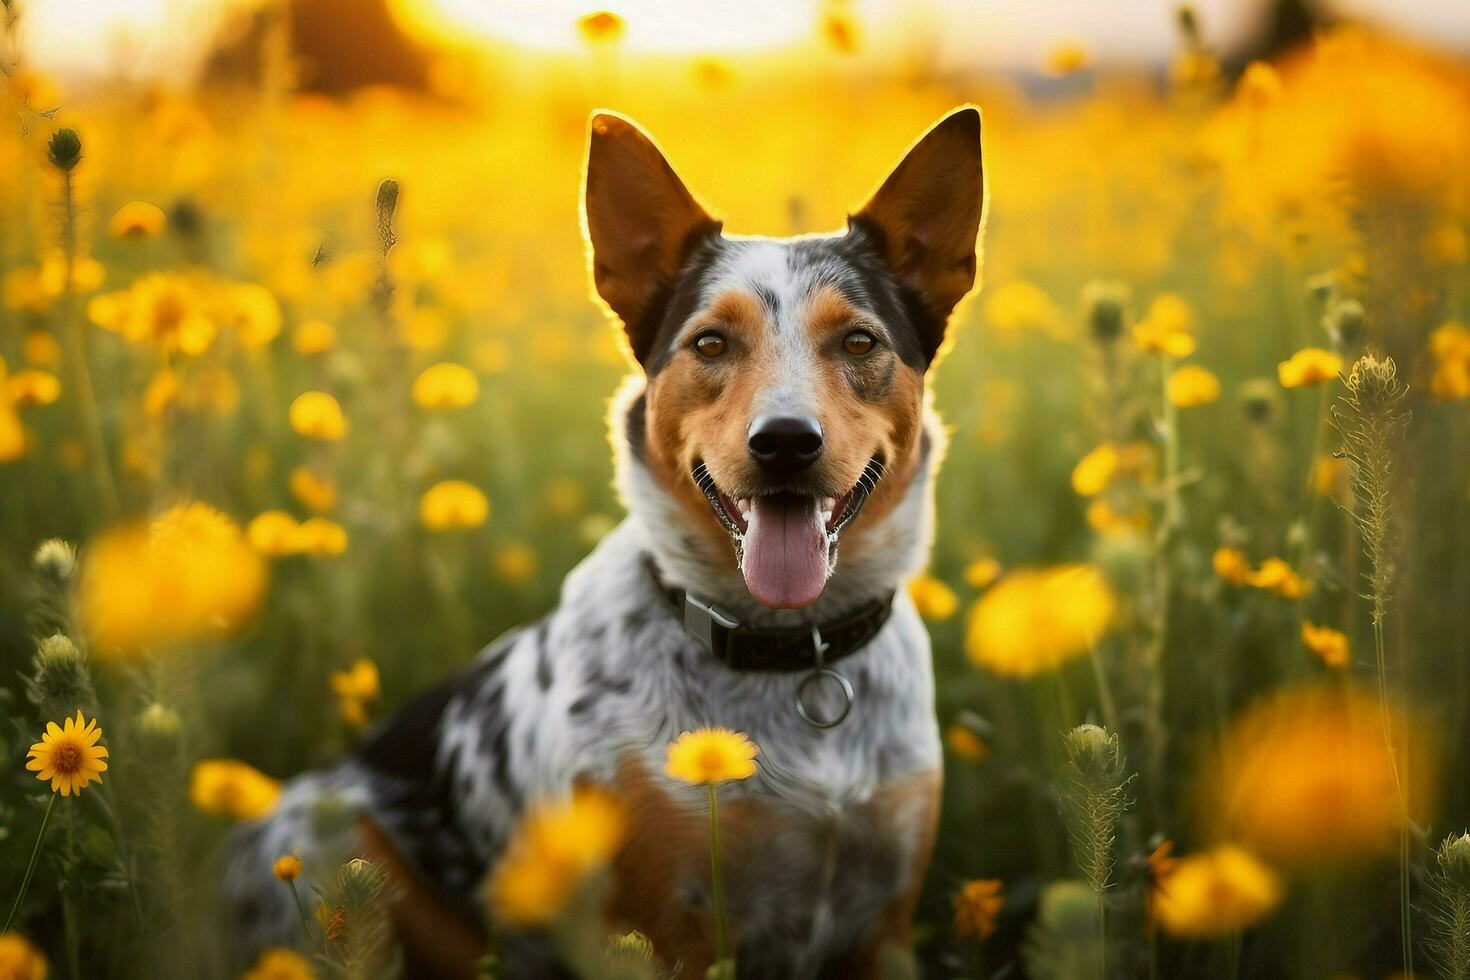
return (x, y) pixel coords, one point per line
(778, 649)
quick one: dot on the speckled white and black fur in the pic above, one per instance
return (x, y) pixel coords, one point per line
(610, 672)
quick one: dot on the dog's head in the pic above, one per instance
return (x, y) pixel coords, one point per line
(785, 377)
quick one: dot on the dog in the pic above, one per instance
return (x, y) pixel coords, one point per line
(776, 455)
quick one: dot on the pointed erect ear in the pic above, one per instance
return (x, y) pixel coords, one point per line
(640, 221)
(926, 216)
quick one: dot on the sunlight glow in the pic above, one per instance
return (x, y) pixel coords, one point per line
(651, 25)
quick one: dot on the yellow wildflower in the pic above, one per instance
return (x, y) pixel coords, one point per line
(1105, 520)
(982, 572)
(137, 219)
(19, 960)
(1035, 620)
(1213, 894)
(315, 493)
(1232, 566)
(287, 867)
(602, 27)
(1308, 366)
(1276, 576)
(1450, 346)
(1066, 58)
(515, 561)
(313, 337)
(445, 386)
(69, 757)
(934, 600)
(453, 505)
(251, 311)
(273, 533)
(1095, 471)
(316, 415)
(320, 536)
(976, 907)
(187, 576)
(280, 964)
(552, 852)
(41, 349)
(711, 755)
(31, 387)
(1167, 328)
(13, 440)
(162, 308)
(230, 788)
(963, 742)
(1304, 776)
(354, 688)
(1329, 644)
(1260, 85)
(1192, 386)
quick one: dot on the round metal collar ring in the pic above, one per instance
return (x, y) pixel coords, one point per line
(844, 686)
(821, 672)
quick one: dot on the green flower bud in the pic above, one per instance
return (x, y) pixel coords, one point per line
(60, 681)
(629, 949)
(1095, 753)
(160, 725)
(1106, 308)
(55, 560)
(1454, 860)
(64, 149)
(1259, 400)
(1344, 322)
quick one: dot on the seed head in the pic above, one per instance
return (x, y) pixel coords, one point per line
(1375, 384)
(60, 679)
(1258, 400)
(64, 149)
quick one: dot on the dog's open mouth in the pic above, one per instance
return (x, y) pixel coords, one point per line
(786, 543)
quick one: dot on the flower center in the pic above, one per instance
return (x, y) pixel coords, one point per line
(67, 759)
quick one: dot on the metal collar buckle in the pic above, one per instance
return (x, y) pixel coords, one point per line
(821, 672)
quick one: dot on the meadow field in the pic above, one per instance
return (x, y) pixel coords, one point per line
(302, 402)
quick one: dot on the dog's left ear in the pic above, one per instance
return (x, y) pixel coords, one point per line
(640, 221)
(926, 217)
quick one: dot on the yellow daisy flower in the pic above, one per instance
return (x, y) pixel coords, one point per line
(453, 505)
(1276, 576)
(1214, 894)
(711, 755)
(1095, 471)
(445, 386)
(230, 788)
(1327, 643)
(280, 964)
(315, 493)
(29, 388)
(1192, 386)
(1308, 366)
(313, 337)
(287, 867)
(551, 853)
(976, 907)
(934, 600)
(1166, 329)
(135, 220)
(19, 960)
(317, 415)
(69, 756)
(1232, 566)
(1035, 620)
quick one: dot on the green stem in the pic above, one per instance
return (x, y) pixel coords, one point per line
(311, 933)
(25, 882)
(714, 875)
(1406, 925)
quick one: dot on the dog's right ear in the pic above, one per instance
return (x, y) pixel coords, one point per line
(640, 220)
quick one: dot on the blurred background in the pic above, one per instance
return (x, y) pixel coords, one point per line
(322, 438)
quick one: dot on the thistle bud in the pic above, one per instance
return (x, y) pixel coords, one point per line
(1454, 860)
(1375, 383)
(64, 149)
(159, 725)
(1106, 306)
(1344, 322)
(1259, 399)
(1094, 752)
(629, 949)
(60, 681)
(55, 560)
(387, 204)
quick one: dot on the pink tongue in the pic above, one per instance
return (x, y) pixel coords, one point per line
(785, 553)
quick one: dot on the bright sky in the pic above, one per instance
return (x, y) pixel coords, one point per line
(145, 38)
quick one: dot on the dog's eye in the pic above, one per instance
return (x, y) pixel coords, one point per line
(710, 344)
(858, 342)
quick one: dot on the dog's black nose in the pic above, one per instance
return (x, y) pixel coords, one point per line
(784, 445)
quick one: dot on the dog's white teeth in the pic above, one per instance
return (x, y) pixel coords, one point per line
(743, 505)
(829, 504)
(826, 517)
